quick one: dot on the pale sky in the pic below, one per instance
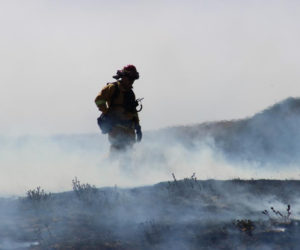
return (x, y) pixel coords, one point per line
(198, 60)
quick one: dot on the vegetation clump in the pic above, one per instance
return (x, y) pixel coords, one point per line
(37, 194)
(246, 226)
(85, 192)
(279, 217)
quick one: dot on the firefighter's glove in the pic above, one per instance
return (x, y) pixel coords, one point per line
(139, 133)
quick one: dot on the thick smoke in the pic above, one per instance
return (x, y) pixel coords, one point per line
(169, 215)
(264, 146)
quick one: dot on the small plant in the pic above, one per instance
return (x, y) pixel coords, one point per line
(36, 199)
(84, 191)
(246, 226)
(37, 194)
(285, 218)
(288, 211)
(188, 187)
(191, 181)
(276, 212)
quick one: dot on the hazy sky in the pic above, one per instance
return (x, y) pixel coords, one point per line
(198, 60)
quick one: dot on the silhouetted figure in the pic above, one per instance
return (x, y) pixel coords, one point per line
(118, 105)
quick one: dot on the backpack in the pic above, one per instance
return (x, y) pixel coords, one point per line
(129, 102)
(106, 122)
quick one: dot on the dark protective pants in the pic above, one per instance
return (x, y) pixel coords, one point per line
(121, 138)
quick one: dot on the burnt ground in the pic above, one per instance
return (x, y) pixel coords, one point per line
(180, 214)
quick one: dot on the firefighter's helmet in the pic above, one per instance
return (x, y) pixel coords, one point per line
(128, 71)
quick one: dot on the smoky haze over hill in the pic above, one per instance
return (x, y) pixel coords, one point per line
(271, 136)
(263, 146)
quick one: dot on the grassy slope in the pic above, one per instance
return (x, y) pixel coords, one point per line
(185, 214)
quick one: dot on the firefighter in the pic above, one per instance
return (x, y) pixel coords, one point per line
(118, 105)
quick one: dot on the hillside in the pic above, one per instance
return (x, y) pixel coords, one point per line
(268, 141)
(192, 213)
(271, 136)
(179, 214)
